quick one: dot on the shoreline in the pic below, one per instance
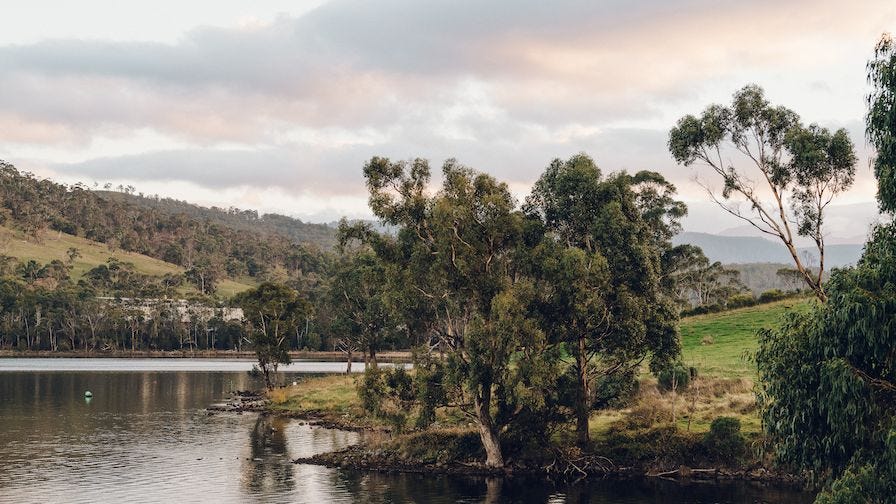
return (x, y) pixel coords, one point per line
(362, 458)
(386, 452)
(322, 356)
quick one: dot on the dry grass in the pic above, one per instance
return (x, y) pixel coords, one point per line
(694, 409)
(331, 393)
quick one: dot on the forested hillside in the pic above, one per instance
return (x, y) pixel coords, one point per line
(203, 243)
(321, 235)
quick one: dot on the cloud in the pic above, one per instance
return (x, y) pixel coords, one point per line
(301, 102)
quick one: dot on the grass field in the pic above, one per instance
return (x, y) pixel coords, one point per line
(733, 337)
(54, 245)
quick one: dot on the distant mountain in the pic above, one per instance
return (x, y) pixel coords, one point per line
(321, 235)
(753, 249)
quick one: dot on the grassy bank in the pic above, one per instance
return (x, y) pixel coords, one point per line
(722, 344)
(655, 430)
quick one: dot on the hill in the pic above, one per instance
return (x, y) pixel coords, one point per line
(320, 235)
(733, 335)
(210, 245)
(55, 245)
(753, 249)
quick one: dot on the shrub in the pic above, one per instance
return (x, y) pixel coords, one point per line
(724, 439)
(741, 300)
(773, 295)
(392, 394)
(675, 376)
(372, 390)
(615, 390)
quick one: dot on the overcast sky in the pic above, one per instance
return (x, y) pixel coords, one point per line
(276, 104)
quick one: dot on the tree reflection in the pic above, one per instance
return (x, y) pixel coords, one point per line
(381, 488)
(269, 469)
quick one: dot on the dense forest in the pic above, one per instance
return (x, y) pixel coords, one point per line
(321, 235)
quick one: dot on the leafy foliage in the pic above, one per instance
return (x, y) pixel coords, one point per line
(804, 168)
(675, 376)
(829, 377)
(880, 121)
(725, 440)
(598, 269)
(273, 313)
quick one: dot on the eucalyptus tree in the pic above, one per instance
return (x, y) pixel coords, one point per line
(599, 271)
(272, 313)
(829, 376)
(456, 253)
(695, 281)
(800, 169)
(359, 297)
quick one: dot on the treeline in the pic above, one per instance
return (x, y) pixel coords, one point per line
(209, 250)
(42, 308)
(320, 235)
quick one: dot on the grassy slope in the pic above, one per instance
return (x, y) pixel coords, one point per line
(55, 245)
(734, 337)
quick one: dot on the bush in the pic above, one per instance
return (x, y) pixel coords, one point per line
(773, 295)
(615, 390)
(724, 439)
(741, 300)
(372, 390)
(676, 374)
(389, 394)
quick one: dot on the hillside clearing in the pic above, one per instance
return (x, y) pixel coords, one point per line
(55, 245)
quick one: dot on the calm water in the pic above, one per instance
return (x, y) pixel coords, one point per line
(145, 437)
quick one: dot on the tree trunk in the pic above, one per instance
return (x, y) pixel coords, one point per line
(372, 359)
(491, 444)
(583, 437)
(348, 364)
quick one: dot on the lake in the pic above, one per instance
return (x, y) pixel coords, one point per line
(145, 436)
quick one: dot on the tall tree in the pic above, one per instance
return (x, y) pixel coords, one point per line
(600, 270)
(829, 377)
(359, 296)
(456, 248)
(273, 312)
(801, 169)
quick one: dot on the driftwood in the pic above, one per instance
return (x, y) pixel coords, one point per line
(684, 472)
(574, 464)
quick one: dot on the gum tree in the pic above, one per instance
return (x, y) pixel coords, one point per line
(272, 312)
(829, 377)
(455, 252)
(599, 270)
(787, 174)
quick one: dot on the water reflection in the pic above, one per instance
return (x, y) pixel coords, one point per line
(269, 469)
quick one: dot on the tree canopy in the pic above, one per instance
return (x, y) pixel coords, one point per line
(599, 270)
(273, 312)
(801, 169)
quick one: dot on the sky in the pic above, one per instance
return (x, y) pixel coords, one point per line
(276, 105)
